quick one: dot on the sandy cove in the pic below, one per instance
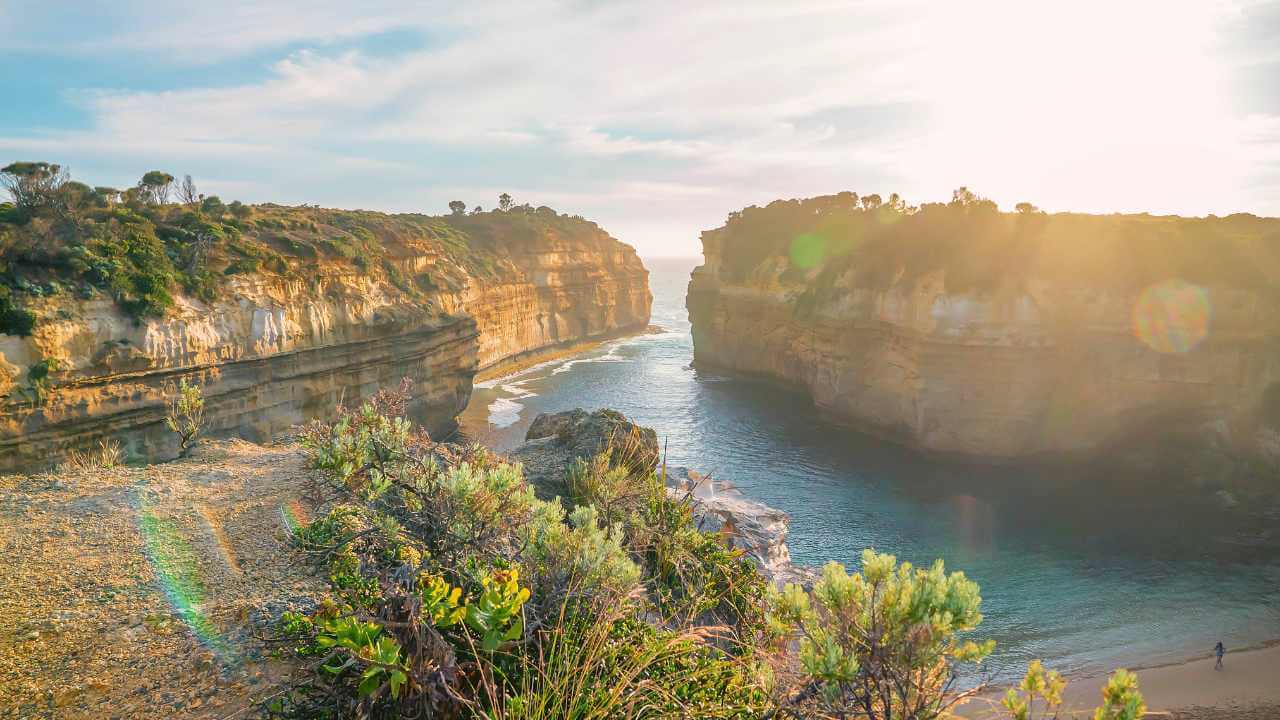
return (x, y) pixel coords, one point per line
(1247, 688)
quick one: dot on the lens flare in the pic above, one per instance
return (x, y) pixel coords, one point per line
(808, 250)
(177, 568)
(1172, 316)
(293, 515)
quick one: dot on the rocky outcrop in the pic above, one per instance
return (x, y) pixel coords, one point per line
(1039, 363)
(273, 351)
(555, 440)
(756, 529)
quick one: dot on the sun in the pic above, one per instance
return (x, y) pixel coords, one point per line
(1089, 105)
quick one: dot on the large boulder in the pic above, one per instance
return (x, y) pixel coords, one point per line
(555, 440)
(583, 434)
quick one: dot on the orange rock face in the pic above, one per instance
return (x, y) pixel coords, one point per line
(273, 352)
(1041, 369)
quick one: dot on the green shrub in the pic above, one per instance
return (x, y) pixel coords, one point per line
(454, 592)
(186, 415)
(861, 634)
(579, 564)
(1121, 699)
(14, 320)
(620, 667)
(12, 215)
(137, 270)
(39, 385)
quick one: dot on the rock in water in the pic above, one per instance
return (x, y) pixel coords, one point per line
(555, 440)
(756, 529)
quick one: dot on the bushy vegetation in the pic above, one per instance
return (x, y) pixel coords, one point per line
(812, 242)
(186, 415)
(145, 245)
(454, 591)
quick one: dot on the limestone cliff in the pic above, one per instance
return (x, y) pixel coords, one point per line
(965, 331)
(304, 326)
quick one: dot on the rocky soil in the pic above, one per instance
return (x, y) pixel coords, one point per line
(135, 592)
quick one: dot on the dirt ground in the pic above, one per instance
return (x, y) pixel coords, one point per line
(135, 592)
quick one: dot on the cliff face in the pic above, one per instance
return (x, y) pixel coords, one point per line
(1037, 363)
(275, 349)
(568, 290)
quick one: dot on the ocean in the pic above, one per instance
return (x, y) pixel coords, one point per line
(1087, 576)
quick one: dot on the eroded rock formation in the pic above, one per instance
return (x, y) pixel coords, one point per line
(1043, 357)
(277, 349)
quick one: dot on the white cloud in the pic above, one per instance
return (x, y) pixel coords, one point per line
(630, 111)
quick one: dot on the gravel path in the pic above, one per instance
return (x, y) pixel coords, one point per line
(133, 592)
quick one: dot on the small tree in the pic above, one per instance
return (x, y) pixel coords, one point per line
(1026, 208)
(457, 207)
(882, 643)
(187, 193)
(106, 196)
(213, 207)
(477, 210)
(155, 187)
(72, 198)
(239, 210)
(504, 202)
(32, 185)
(871, 202)
(186, 415)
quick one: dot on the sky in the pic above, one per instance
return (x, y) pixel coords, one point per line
(656, 118)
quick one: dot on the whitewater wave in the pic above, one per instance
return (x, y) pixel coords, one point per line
(610, 355)
(504, 412)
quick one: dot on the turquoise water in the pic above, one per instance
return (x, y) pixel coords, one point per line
(1087, 574)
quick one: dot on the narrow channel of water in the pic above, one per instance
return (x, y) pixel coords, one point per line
(1087, 576)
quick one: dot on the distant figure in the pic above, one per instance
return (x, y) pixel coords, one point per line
(1218, 652)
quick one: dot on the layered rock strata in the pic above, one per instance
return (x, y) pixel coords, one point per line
(1039, 366)
(274, 351)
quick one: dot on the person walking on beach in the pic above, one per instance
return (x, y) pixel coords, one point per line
(1218, 652)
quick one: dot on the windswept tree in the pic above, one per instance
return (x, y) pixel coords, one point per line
(72, 198)
(155, 186)
(213, 206)
(32, 185)
(187, 193)
(106, 196)
(239, 210)
(457, 207)
(504, 202)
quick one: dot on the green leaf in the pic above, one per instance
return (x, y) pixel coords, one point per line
(371, 682)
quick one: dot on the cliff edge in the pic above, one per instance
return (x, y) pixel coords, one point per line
(958, 329)
(281, 313)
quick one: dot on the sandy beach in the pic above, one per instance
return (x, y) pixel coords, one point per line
(1247, 688)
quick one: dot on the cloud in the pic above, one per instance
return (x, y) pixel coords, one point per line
(653, 116)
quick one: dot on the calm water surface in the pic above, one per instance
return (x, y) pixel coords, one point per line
(1086, 575)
